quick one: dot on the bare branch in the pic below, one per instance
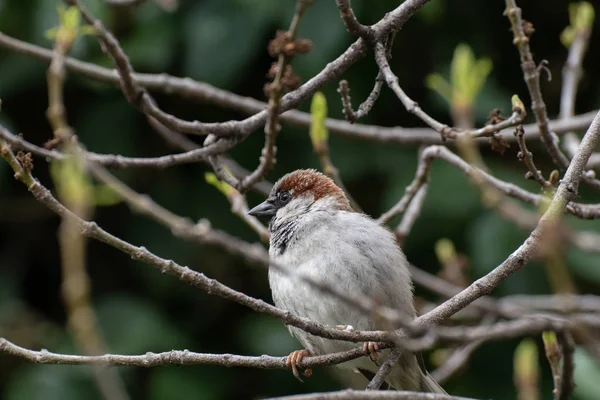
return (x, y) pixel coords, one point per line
(183, 228)
(175, 357)
(412, 213)
(385, 369)
(119, 161)
(571, 75)
(277, 89)
(205, 93)
(365, 107)
(352, 24)
(527, 157)
(455, 363)
(374, 395)
(532, 79)
(567, 347)
(566, 192)
(196, 279)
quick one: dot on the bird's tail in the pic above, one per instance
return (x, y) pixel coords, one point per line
(428, 384)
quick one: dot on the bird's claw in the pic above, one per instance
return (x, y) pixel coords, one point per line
(372, 350)
(292, 362)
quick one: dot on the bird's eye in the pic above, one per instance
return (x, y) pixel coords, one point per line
(284, 197)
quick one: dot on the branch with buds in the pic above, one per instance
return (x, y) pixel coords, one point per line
(512, 316)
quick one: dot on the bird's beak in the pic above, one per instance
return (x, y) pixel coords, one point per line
(266, 209)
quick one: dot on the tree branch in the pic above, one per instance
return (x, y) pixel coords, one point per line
(205, 93)
(566, 192)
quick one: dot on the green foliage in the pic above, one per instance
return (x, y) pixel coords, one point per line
(526, 368)
(224, 42)
(72, 182)
(467, 77)
(69, 26)
(318, 113)
(517, 104)
(581, 20)
(221, 186)
(75, 187)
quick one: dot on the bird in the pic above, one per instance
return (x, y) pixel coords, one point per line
(314, 230)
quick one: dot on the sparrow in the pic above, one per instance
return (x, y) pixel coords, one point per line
(314, 230)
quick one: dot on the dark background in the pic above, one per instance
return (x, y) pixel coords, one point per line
(223, 42)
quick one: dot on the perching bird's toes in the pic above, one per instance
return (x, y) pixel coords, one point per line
(292, 362)
(372, 350)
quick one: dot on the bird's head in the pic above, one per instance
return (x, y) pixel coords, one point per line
(301, 192)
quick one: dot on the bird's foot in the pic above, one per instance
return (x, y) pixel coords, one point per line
(372, 350)
(292, 362)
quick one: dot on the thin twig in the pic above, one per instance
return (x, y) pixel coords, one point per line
(196, 279)
(566, 192)
(527, 157)
(175, 357)
(183, 228)
(277, 89)
(371, 395)
(571, 74)
(571, 77)
(532, 79)
(365, 107)
(75, 288)
(385, 369)
(205, 93)
(352, 24)
(329, 169)
(142, 100)
(410, 216)
(119, 161)
(584, 211)
(182, 142)
(455, 363)
(567, 347)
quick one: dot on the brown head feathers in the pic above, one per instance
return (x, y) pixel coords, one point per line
(313, 182)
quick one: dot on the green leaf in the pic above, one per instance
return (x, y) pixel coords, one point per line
(467, 77)
(51, 33)
(516, 103)
(221, 186)
(104, 196)
(581, 19)
(460, 68)
(439, 84)
(526, 361)
(318, 112)
(72, 182)
(70, 18)
(445, 250)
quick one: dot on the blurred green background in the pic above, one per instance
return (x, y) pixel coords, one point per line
(223, 42)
